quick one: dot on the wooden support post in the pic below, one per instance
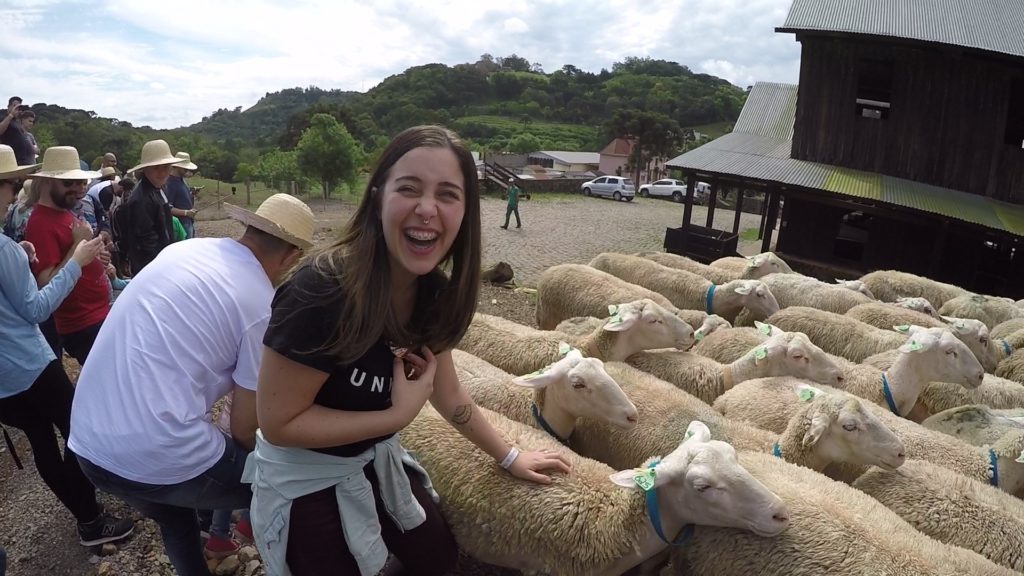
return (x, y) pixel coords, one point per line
(691, 181)
(739, 210)
(712, 200)
(771, 215)
(764, 214)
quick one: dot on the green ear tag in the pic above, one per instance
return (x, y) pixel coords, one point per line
(765, 329)
(961, 326)
(1021, 457)
(564, 349)
(688, 435)
(760, 354)
(698, 335)
(915, 346)
(613, 309)
(904, 328)
(644, 478)
(806, 394)
(538, 372)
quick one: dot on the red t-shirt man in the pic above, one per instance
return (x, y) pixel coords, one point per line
(49, 230)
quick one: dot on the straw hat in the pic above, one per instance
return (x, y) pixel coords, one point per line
(9, 164)
(281, 215)
(155, 153)
(186, 162)
(62, 163)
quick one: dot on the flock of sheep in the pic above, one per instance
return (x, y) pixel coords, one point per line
(739, 418)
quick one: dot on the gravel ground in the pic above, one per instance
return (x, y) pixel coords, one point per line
(39, 534)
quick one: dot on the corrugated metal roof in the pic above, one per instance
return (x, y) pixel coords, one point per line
(761, 157)
(769, 111)
(572, 157)
(991, 25)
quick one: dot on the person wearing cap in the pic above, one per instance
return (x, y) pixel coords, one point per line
(180, 196)
(35, 393)
(513, 203)
(51, 229)
(149, 211)
(185, 333)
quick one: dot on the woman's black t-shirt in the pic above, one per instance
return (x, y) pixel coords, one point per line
(305, 314)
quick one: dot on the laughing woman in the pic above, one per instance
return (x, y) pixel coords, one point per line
(359, 340)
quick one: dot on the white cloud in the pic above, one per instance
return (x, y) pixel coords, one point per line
(166, 70)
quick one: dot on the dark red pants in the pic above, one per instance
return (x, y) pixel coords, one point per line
(316, 543)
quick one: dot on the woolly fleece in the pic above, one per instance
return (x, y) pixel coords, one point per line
(884, 316)
(570, 290)
(991, 311)
(796, 290)
(891, 285)
(836, 333)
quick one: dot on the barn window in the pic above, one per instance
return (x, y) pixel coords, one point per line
(852, 237)
(874, 88)
(1015, 114)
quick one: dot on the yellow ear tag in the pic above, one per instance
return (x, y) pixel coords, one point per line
(644, 478)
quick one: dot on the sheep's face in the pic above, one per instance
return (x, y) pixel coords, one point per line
(711, 323)
(941, 357)
(842, 430)
(583, 389)
(644, 325)
(764, 264)
(756, 298)
(918, 304)
(793, 354)
(856, 286)
(702, 482)
(974, 333)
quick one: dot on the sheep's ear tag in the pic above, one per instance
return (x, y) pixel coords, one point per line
(538, 372)
(613, 309)
(765, 329)
(806, 394)
(564, 349)
(1021, 457)
(698, 335)
(961, 326)
(644, 478)
(915, 346)
(760, 354)
(904, 328)
(613, 313)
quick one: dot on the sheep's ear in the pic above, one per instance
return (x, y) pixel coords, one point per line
(1021, 457)
(763, 328)
(805, 392)
(623, 318)
(757, 261)
(742, 289)
(697, 431)
(819, 425)
(548, 375)
(643, 478)
(842, 282)
(915, 345)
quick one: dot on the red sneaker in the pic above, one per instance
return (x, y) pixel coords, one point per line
(217, 547)
(243, 532)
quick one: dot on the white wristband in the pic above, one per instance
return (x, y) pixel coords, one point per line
(513, 453)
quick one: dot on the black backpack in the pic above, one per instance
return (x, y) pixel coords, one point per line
(121, 228)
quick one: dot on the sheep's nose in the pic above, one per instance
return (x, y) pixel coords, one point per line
(632, 417)
(840, 379)
(781, 517)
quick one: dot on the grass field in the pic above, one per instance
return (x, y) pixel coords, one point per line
(258, 192)
(714, 130)
(566, 134)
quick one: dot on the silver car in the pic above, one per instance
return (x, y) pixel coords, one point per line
(675, 189)
(615, 187)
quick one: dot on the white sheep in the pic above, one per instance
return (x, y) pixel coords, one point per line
(716, 275)
(769, 403)
(939, 395)
(689, 291)
(1012, 367)
(885, 315)
(753, 266)
(574, 387)
(976, 424)
(952, 509)
(631, 328)
(856, 286)
(834, 530)
(569, 290)
(1004, 329)
(795, 290)
(991, 311)
(584, 523)
(836, 333)
(891, 285)
(785, 354)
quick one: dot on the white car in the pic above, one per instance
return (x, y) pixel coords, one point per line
(676, 190)
(615, 187)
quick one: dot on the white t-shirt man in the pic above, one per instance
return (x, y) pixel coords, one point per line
(186, 329)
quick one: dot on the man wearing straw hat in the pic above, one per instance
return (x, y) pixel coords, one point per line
(148, 209)
(183, 334)
(52, 230)
(179, 196)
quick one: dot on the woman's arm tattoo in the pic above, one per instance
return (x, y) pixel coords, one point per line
(462, 414)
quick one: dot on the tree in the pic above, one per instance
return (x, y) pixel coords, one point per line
(328, 152)
(655, 136)
(524, 144)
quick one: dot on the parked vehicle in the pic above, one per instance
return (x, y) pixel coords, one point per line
(676, 190)
(615, 187)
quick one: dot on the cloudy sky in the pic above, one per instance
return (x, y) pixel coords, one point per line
(168, 64)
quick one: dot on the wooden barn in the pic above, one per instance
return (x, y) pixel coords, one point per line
(901, 148)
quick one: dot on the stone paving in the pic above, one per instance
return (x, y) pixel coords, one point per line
(559, 231)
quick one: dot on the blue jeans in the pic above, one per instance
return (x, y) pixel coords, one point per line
(220, 527)
(3, 562)
(173, 507)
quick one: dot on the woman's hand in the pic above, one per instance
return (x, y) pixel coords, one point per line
(528, 465)
(412, 386)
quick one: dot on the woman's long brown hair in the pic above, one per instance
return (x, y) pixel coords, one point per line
(357, 263)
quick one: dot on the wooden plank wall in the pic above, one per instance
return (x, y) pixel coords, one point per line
(946, 126)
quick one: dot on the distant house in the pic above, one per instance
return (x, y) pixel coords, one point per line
(615, 156)
(902, 147)
(571, 163)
